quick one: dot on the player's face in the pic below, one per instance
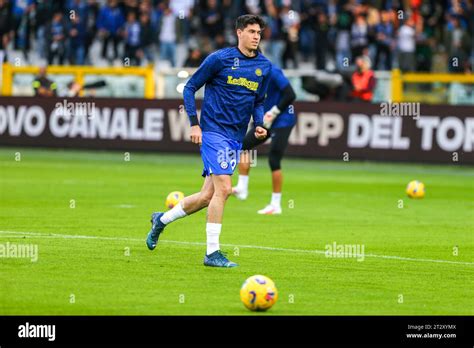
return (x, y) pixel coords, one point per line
(250, 36)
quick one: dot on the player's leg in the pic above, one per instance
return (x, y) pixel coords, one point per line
(278, 146)
(222, 191)
(250, 141)
(187, 206)
(244, 164)
(215, 212)
(191, 204)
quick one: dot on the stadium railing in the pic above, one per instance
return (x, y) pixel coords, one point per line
(438, 88)
(153, 82)
(143, 87)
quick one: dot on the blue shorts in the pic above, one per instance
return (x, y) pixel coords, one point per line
(219, 154)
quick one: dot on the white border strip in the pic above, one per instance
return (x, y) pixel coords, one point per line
(301, 251)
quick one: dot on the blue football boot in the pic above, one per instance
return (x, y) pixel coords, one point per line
(218, 259)
(157, 228)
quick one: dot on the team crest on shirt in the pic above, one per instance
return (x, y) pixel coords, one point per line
(224, 165)
(258, 72)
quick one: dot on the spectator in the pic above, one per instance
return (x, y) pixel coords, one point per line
(109, 22)
(458, 44)
(168, 36)
(90, 19)
(407, 46)
(424, 50)
(384, 41)
(212, 19)
(363, 80)
(291, 24)
(194, 59)
(6, 29)
(460, 10)
(22, 24)
(56, 31)
(78, 7)
(155, 13)
(43, 14)
(42, 86)
(77, 40)
(131, 6)
(359, 36)
(276, 38)
(254, 7)
(432, 11)
(132, 36)
(343, 52)
(147, 36)
(182, 9)
(306, 31)
(321, 40)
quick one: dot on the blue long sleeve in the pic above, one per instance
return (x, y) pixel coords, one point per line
(206, 71)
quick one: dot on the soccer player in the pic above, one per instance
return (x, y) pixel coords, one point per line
(280, 120)
(236, 80)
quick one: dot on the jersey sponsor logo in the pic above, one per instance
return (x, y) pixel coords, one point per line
(242, 81)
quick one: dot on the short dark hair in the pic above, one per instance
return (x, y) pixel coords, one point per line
(243, 21)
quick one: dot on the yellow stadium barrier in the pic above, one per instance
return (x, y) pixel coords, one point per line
(398, 79)
(79, 72)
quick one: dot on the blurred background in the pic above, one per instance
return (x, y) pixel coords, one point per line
(316, 42)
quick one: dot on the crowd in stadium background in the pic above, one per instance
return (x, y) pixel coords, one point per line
(414, 35)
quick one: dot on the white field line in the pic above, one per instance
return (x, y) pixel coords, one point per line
(17, 234)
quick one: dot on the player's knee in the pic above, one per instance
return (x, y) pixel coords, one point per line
(224, 191)
(227, 191)
(274, 160)
(206, 198)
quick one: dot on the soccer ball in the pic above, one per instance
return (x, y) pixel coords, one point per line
(173, 198)
(415, 189)
(258, 293)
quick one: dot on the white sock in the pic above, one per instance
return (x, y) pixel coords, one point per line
(174, 214)
(243, 184)
(276, 199)
(213, 231)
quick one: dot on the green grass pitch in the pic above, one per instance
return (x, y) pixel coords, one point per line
(88, 212)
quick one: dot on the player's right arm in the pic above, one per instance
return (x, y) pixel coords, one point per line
(206, 72)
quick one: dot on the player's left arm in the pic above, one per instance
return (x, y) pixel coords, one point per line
(258, 110)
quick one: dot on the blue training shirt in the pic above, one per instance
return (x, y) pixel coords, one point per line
(278, 82)
(235, 90)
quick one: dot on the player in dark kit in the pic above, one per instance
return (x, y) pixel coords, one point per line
(236, 80)
(280, 119)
